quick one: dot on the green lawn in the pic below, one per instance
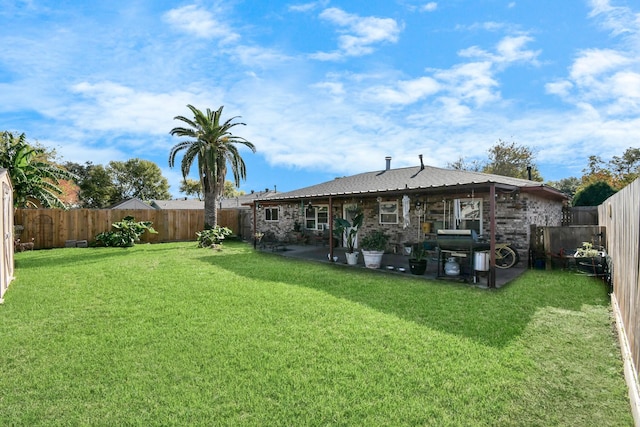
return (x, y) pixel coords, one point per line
(170, 334)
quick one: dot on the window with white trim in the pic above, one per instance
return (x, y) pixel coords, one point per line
(317, 218)
(388, 212)
(468, 214)
(271, 214)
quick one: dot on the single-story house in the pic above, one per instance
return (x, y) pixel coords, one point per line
(239, 202)
(133, 203)
(182, 203)
(240, 215)
(412, 204)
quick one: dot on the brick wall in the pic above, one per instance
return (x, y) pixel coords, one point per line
(514, 215)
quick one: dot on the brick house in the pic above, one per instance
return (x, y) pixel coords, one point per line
(410, 204)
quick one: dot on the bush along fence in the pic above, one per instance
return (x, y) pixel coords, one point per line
(53, 228)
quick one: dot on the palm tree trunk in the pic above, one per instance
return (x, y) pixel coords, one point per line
(210, 209)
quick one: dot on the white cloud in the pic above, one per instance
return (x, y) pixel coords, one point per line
(359, 35)
(112, 107)
(594, 62)
(619, 19)
(561, 88)
(404, 92)
(307, 7)
(472, 82)
(429, 7)
(201, 23)
(606, 80)
(508, 50)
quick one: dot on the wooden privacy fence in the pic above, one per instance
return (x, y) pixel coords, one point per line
(620, 214)
(52, 228)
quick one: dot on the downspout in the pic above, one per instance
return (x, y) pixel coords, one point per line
(492, 234)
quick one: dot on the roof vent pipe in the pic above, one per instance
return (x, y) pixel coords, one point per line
(421, 162)
(388, 159)
(529, 172)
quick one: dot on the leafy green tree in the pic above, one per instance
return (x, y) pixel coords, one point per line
(462, 165)
(191, 187)
(138, 178)
(230, 190)
(35, 180)
(617, 172)
(568, 186)
(101, 187)
(626, 168)
(593, 194)
(511, 159)
(96, 190)
(211, 144)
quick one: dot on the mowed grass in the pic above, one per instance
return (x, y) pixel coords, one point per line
(170, 334)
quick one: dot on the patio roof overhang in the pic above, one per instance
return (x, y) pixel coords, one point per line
(427, 190)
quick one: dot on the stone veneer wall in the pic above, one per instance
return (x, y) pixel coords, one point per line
(514, 216)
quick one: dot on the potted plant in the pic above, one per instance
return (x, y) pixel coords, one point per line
(418, 260)
(590, 260)
(349, 230)
(373, 246)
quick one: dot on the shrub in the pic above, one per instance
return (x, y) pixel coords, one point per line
(213, 236)
(125, 234)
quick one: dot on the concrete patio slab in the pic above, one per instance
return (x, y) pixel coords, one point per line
(391, 262)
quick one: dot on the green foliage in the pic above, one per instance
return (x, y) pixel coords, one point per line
(462, 164)
(96, 189)
(34, 178)
(506, 159)
(511, 159)
(211, 145)
(172, 335)
(617, 172)
(568, 186)
(231, 191)
(343, 226)
(125, 233)
(418, 252)
(101, 187)
(138, 178)
(375, 241)
(213, 236)
(191, 187)
(593, 194)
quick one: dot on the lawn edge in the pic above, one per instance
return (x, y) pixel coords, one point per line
(630, 373)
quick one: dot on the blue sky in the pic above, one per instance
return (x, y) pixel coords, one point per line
(326, 88)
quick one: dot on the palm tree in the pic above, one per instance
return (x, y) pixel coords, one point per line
(35, 181)
(213, 145)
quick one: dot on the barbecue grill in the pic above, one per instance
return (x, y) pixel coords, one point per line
(460, 244)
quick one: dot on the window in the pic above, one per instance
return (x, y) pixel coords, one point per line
(271, 214)
(317, 218)
(389, 212)
(468, 214)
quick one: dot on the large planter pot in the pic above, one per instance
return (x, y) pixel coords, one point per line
(372, 259)
(417, 267)
(352, 258)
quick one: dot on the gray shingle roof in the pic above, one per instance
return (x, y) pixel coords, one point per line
(178, 204)
(403, 179)
(240, 202)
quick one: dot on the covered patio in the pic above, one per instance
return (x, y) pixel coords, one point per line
(392, 263)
